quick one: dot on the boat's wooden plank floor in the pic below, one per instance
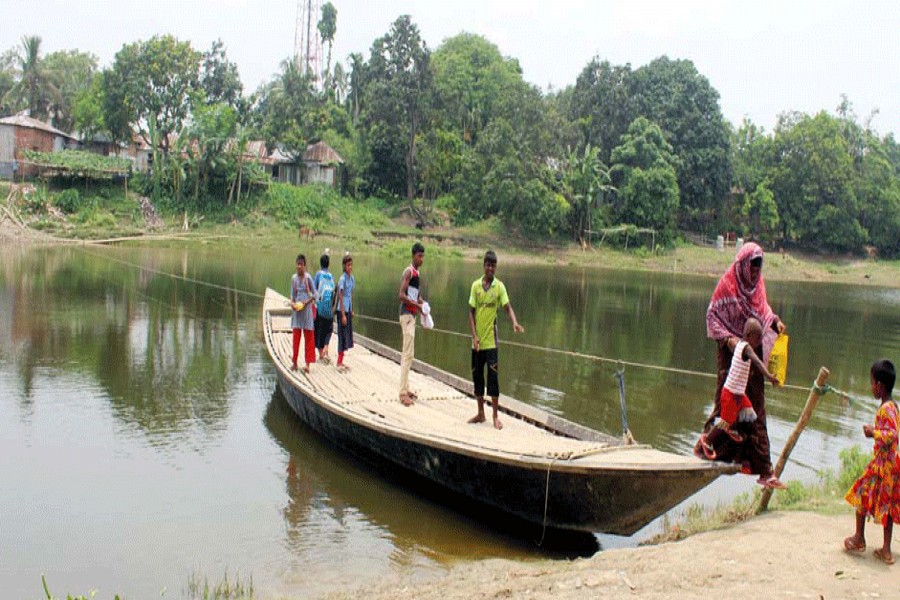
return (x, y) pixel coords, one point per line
(370, 392)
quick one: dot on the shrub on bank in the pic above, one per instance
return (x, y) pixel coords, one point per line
(67, 201)
(305, 205)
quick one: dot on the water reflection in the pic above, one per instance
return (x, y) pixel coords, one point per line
(163, 353)
(324, 485)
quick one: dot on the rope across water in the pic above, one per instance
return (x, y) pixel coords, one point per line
(557, 351)
(580, 355)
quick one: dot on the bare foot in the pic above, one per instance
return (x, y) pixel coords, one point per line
(854, 544)
(294, 367)
(306, 369)
(497, 423)
(405, 400)
(479, 418)
(884, 556)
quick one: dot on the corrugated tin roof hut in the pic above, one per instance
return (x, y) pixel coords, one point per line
(21, 132)
(321, 164)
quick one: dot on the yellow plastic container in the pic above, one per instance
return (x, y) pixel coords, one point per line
(778, 359)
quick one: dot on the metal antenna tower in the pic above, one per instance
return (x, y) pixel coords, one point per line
(307, 44)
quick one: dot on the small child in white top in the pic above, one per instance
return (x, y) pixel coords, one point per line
(735, 406)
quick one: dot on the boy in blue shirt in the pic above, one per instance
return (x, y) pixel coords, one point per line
(345, 310)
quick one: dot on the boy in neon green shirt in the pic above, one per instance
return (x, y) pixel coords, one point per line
(487, 295)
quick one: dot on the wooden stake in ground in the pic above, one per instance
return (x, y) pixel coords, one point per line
(814, 393)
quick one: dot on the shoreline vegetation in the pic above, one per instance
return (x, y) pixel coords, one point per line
(326, 219)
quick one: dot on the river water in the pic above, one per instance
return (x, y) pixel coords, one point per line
(143, 442)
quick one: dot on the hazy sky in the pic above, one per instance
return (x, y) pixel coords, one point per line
(763, 57)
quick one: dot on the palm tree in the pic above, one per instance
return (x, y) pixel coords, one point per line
(356, 83)
(339, 83)
(328, 27)
(37, 87)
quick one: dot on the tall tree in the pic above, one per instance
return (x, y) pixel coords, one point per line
(286, 108)
(472, 84)
(878, 192)
(212, 126)
(499, 179)
(74, 72)
(340, 83)
(36, 87)
(356, 83)
(813, 182)
(674, 95)
(8, 62)
(327, 28)
(87, 112)
(644, 168)
(586, 179)
(152, 81)
(219, 77)
(600, 105)
(397, 96)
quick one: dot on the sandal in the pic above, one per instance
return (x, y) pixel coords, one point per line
(851, 545)
(708, 452)
(771, 483)
(885, 557)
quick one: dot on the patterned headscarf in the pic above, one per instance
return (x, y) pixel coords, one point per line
(737, 298)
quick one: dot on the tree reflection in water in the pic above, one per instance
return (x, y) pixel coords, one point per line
(322, 480)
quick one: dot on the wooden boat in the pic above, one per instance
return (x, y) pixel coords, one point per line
(539, 468)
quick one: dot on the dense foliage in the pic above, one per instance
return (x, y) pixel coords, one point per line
(457, 131)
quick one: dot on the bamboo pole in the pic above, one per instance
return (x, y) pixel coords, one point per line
(811, 402)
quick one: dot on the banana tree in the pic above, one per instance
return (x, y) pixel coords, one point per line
(585, 179)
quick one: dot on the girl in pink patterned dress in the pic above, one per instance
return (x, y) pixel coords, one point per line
(877, 492)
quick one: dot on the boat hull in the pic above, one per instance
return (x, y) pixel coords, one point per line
(616, 500)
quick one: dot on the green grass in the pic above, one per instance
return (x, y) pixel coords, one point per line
(235, 588)
(92, 594)
(823, 496)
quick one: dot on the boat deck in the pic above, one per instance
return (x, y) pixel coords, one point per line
(368, 393)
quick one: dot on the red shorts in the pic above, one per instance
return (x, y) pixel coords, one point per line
(730, 405)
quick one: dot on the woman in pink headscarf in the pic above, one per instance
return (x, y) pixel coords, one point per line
(740, 295)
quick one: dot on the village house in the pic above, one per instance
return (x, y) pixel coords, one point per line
(319, 163)
(322, 165)
(21, 132)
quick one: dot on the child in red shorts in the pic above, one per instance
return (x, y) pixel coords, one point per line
(735, 406)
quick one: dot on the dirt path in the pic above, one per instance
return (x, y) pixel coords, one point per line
(779, 555)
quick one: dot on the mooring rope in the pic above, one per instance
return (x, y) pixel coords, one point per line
(546, 503)
(838, 392)
(626, 431)
(547, 349)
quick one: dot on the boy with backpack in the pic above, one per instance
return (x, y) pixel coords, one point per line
(325, 297)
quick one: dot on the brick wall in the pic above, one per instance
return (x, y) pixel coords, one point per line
(31, 139)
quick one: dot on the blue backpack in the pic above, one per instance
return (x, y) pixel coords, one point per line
(325, 303)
